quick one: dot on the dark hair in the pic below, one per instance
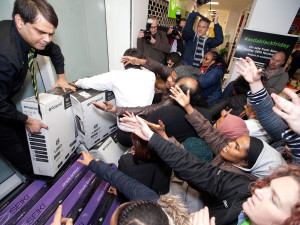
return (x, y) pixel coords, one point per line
(205, 20)
(144, 212)
(240, 85)
(289, 170)
(196, 98)
(134, 53)
(174, 57)
(142, 152)
(182, 19)
(177, 64)
(29, 9)
(219, 60)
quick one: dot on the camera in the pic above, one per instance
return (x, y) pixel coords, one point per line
(177, 27)
(147, 33)
(202, 2)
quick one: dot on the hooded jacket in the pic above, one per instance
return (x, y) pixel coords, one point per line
(216, 141)
(267, 160)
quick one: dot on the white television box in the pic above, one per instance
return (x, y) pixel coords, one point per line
(109, 150)
(92, 123)
(50, 149)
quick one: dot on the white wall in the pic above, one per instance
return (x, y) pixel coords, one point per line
(124, 19)
(118, 31)
(273, 16)
(139, 18)
(232, 23)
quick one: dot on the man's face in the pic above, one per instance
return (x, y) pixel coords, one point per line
(170, 63)
(202, 28)
(248, 110)
(38, 34)
(276, 61)
(153, 28)
(171, 80)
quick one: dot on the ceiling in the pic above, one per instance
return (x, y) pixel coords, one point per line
(230, 5)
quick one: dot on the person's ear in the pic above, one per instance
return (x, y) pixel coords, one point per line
(19, 21)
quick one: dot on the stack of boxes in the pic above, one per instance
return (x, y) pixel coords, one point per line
(72, 119)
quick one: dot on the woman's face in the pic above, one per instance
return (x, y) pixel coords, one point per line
(236, 151)
(208, 59)
(273, 204)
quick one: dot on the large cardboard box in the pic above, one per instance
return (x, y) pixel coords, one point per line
(93, 124)
(50, 149)
(109, 150)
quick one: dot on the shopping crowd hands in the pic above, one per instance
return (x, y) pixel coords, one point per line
(58, 220)
(87, 158)
(249, 70)
(290, 109)
(107, 106)
(179, 96)
(138, 126)
(201, 218)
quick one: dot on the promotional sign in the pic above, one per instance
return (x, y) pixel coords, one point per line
(261, 46)
(295, 28)
(175, 5)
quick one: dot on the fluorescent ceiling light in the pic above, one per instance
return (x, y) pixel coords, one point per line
(213, 3)
(212, 10)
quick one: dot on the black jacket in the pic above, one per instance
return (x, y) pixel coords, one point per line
(14, 66)
(155, 175)
(227, 190)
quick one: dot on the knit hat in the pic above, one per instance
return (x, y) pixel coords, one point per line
(187, 71)
(199, 148)
(256, 146)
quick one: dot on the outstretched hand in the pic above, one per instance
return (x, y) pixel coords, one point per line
(138, 126)
(107, 107)
(291, 110)
(58, 220)
(158, 128)
(225, 113)
(201, 218)
(62, 82)
(249, 70)
(87, 158)
(131, 60)
(179, 96)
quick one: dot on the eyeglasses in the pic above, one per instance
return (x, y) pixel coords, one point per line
(154, 27)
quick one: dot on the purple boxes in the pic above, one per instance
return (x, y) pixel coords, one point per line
(92, 205)
(56, 194)
(23, 203)
(75, 195)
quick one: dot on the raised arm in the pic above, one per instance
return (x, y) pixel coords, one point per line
(260, 100)
(212, 136)
(266, 112)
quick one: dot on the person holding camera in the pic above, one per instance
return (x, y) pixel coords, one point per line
(154, 45)
(175, 38)
(198, 43)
